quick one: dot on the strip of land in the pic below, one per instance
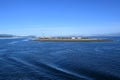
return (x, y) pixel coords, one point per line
(72, 40)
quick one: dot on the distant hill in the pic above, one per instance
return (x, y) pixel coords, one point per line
(6, 35)
(115, 34)
(108, 35)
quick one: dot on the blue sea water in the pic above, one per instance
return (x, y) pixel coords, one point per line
(22, 59)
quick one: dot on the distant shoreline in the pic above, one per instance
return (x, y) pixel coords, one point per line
(8, 37)
(73, 40)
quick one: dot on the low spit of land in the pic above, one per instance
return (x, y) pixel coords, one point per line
(72, 40)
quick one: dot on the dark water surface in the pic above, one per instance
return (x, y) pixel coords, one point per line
(21, 59)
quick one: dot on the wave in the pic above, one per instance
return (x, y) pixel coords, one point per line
(25, 40)
(14, 42)
(42, 69)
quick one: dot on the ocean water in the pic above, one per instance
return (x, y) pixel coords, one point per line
(22, 59)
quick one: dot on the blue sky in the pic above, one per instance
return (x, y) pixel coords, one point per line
(59, 17)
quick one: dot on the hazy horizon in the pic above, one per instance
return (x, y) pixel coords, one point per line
(59, 17)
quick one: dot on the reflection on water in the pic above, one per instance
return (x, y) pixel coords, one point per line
(21, 59)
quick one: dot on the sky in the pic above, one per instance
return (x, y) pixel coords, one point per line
(59, 17)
